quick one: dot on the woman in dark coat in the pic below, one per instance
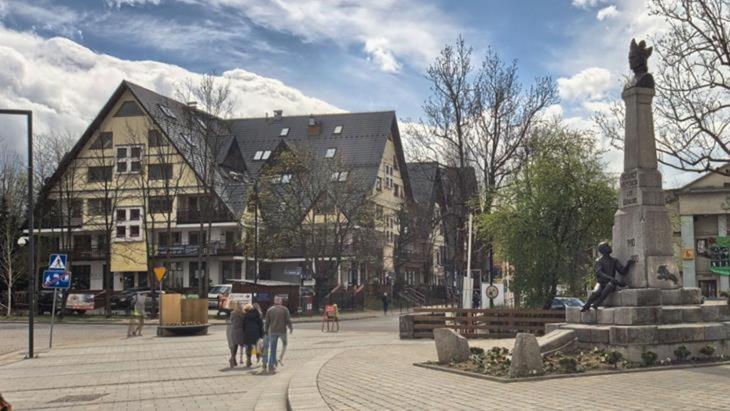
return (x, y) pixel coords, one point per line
(253, 330)
(236, 332)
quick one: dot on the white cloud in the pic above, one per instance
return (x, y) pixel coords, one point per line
(390, 32)
(380, 53)
(591, 83)
(65, 84)
(119, 3)
(607, 12)
(585, 4)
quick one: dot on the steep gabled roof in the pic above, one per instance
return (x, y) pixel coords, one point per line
(424, 178)
(171, 116)
(360, 144)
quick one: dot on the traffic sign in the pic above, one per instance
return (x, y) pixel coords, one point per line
(56, 279)
(492, 292)
(57, 262)
(160, 272)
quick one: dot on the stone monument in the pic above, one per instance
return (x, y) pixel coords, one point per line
(654, 313)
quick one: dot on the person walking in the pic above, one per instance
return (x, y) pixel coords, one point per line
(236, 332)
(253, 330)
(277, 321)
(385, 303)
(137, 321)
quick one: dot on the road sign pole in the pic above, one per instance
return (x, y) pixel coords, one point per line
(53, 319)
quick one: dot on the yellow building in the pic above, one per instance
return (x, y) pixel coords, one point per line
(163, 182)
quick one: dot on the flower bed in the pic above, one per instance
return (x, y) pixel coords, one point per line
(496, 362)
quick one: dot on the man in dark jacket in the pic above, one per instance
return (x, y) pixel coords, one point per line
(606, 268)
(385, 303)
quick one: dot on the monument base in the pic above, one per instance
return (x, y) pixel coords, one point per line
(651, 319)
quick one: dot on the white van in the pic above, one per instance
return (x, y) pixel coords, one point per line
(215, 291)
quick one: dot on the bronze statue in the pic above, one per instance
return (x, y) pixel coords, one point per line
(606, 268)
(638, 56)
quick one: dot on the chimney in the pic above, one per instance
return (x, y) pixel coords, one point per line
(193, 104)
(313, 127)
(277, 114)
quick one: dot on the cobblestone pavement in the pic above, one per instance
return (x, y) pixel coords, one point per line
(364, 366)
(14, 336)
(386, 379)
(111, 372)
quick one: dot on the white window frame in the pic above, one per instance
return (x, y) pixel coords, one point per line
(337, 130)
(266, 155)
(330, 153)
(262, 155)
(128, 159)
(128, 223)
(257, 155)
(284, 132)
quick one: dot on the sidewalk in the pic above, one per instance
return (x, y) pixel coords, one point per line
(212, 319)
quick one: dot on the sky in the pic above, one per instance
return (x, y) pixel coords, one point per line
(63, 59)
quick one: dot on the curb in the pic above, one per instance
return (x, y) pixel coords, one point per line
(303, 392)
(505, 380)
(155, 323)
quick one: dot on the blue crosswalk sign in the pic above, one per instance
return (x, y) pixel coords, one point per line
(57, 262)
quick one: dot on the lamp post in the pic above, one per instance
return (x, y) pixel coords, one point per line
(256, 232)
(31, 243)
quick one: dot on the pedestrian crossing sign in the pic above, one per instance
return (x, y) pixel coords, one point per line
(57, 262)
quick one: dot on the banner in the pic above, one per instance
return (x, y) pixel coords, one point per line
(720, 256)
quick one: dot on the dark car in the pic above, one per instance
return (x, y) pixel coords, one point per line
(561, 303)
(124, 300)
(45, 301)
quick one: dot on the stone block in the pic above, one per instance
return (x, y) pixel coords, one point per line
(526, 357)
(605, 315)
(450, 346)
(600, 335)
(556, 340)
(691, 314)
(691, 296)
(640, 297)
(612, 300)
(406, 326)
(714, 313)
(552, 327)
(670, 315)
(575, 316)
(715, 331)
(635, 315)
(671, 297)
(680, 333)
(633, 334)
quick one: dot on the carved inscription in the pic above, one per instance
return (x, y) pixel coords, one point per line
(631, 242)
(629, 179)
(629, 197)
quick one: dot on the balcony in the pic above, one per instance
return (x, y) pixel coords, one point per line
(87, 253)
(187, 216)
(217, 248)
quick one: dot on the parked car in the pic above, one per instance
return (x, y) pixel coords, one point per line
(561, 303)
(215, 291)
(45, 301)
(125, 300)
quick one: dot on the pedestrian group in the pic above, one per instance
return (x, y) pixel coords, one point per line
(257, 336)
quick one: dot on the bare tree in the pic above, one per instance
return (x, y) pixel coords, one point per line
(692, 107)
(12, 208)
(477, 119)
(320, 208)
(205, 135)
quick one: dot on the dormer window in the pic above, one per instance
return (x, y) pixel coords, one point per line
(330, 153)
(339, 176)
(284, 132)
(262, 155)
(338, 130)
(166, 111)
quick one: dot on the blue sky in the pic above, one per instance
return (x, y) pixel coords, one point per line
(306, 55)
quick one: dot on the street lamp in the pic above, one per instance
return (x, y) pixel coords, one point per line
(31, 252)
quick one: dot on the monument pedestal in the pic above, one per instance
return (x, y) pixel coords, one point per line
(652, 319)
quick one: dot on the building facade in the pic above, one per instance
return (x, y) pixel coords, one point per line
(702, 210)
